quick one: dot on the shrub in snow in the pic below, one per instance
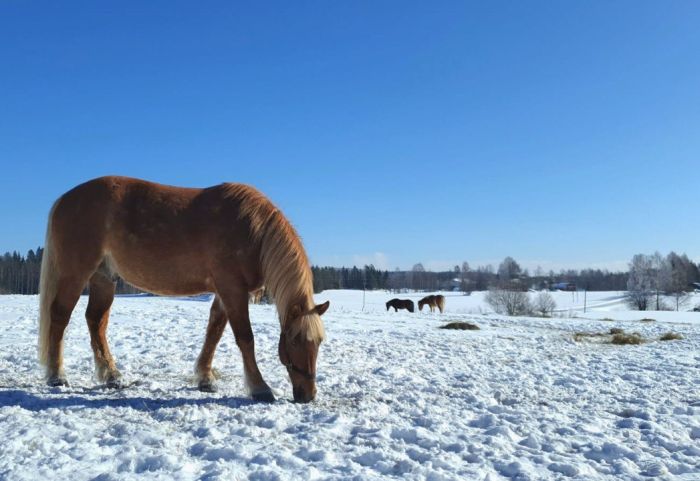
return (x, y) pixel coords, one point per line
(509, 302)
(544, 304)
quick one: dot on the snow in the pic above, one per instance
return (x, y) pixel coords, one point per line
(398, 397)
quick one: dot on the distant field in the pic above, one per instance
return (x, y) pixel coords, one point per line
(569, 304)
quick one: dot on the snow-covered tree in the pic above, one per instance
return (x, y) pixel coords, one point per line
(510, 302)
(544, 304)
(641, 282)
(676, 277)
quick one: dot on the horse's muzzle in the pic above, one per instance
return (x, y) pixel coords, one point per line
(302, 396)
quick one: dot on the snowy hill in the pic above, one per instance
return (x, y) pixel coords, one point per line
(398, 397)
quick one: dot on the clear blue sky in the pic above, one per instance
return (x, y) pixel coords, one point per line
(559, 133)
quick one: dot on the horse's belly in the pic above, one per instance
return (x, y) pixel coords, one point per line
(163, 276)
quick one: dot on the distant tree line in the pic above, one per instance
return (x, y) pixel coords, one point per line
(369, 278)
(649, 277)
(20, 274)
(462, 277)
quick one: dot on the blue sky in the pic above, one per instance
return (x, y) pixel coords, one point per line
(558, 133)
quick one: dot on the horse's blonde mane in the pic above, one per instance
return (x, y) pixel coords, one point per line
(284, 264)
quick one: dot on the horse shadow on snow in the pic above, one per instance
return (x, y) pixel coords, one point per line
(37, 403)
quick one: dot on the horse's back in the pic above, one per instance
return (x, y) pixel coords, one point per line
(161, 238)
(111, 210)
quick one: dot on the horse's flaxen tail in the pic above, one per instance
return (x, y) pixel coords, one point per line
(440, 303)
(48, 285)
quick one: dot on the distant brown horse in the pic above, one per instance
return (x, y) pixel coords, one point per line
(228, 239)
(256, 296)
(432, 302)
(400, 304)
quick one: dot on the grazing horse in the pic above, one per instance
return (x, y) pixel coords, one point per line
(432, 302)
(256, 296)
(228, 239)
(400, 304)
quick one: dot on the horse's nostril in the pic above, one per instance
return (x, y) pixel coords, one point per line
(300, 395)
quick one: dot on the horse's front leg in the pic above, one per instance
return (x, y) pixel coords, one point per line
(215, 329)
(236, 305)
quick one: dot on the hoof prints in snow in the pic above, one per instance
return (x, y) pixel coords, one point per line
(398, 398)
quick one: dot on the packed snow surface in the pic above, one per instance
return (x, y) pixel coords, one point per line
(398, 398)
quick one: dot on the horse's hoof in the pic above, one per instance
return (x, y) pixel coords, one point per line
(207, 386)
(264, 396)
(115, 383)
(57, 381)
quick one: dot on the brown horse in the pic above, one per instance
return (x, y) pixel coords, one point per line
(228, 239)
(400, 304)
(432, 302)
(256, 296)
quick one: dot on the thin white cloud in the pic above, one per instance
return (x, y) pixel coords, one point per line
(378, 260)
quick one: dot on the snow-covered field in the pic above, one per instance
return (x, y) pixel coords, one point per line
(398, 398)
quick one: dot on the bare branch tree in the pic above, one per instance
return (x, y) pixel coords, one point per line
(544, 304)
(640, 284)
(509, 302)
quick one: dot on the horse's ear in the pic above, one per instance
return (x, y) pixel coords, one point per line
(321, 308)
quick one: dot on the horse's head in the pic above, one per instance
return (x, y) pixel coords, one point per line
(411, 308)
(298, 349)
(420, 305)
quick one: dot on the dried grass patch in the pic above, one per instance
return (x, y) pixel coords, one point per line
(615, 336)
(623, 338)
(671, 336)
(589, 336)
(463, 326)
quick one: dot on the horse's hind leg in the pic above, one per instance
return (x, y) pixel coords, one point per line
(236, 305)
(97, 315)
(215, 329)
(67, 295)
